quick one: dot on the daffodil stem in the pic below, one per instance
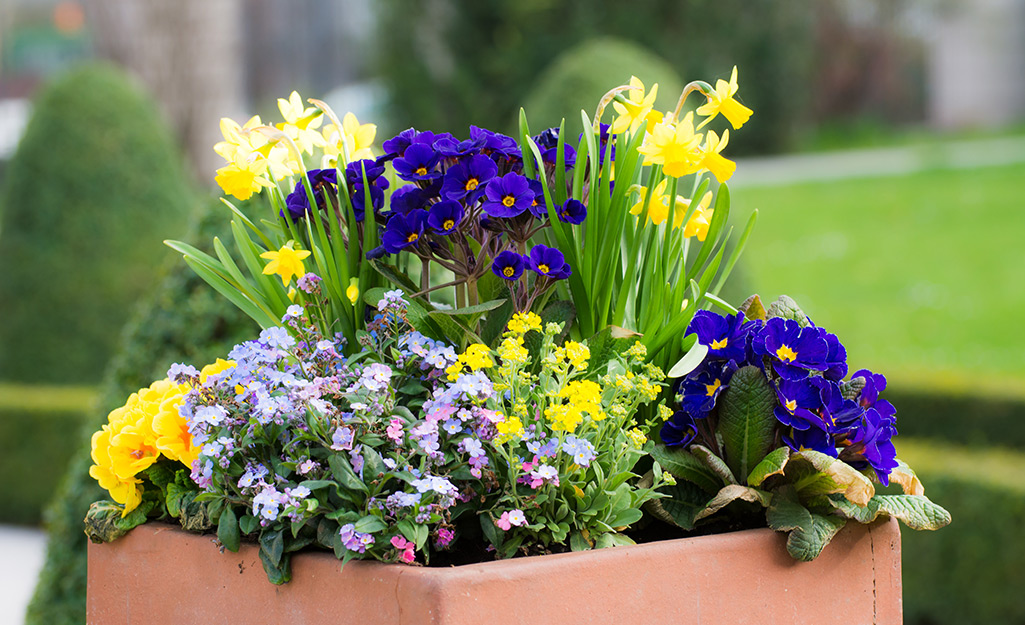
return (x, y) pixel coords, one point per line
(604, 102)
(697, 85)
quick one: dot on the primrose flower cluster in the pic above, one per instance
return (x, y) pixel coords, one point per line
(815, 407)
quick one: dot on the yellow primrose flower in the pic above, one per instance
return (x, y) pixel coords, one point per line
(682, 204)
(521, 323)
(637, 109)
(286, 263)
(243, 176)
(477, 356)
(354, 140)
(711, 159)
(509, 428)
(721, 101)
(172, 433)
(214, 368)
(674, 146)
(301, 122)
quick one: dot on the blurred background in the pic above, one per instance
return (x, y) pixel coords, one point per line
(886, 158)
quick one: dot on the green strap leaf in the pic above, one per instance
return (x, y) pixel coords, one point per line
(689, 362)
(772, 464)
(732, 493)
(746, 421)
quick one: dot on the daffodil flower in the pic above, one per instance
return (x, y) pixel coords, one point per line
(243, 176)
(674, 146)
(301, 122)
(711, 159)
(721, 100)
(286, 262)
(636, 109)
(353, 140)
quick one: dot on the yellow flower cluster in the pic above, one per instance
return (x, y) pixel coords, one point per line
(476, 357)
(511, 427)
(138, 433)
(258, 153)
(512, 352)
(521, 323)
(582, 397)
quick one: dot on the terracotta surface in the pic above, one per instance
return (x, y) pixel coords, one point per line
(158, 574)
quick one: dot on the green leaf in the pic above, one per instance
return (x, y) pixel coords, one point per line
(278, 572)
(370, 524)
(785, 307)
(834, 476)
(785, 514)
(684, 465)
(577, 542)
(746, 420)
(806, 543)
(682, 506)
(689, 362)
(227, 529)
(104, 523)
(772, 464)
(491, 532)
(315, 484)
(249, 524)
(396, 277)
(473, 310)
(916, 511)
(343, 473)
(753, 308)
(732, 493)
(714, 462)
(272, 543)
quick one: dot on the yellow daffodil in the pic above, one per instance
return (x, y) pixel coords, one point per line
(637, 109)
(658, 207)
(711, 159)
(241, 139)
(722, 101)
(352, 292)
(353, 140)
(243, 176)
(683, 204)
(674, 146)
(286, 262)
(301, 122)
(698, 223)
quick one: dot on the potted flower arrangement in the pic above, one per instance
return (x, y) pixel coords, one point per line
(468, 346)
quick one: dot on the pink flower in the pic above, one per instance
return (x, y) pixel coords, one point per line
(510, 518)
(503, 522)
(445, 537)
(408, 555)
(399, 542)
(394, 430)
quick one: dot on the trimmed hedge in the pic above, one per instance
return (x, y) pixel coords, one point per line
(972, 571)
(183, 320)
(95, 186)
(582, 75)
(959, 418)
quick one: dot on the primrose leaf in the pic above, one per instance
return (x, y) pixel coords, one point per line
(907, 479)
(836, 477)
(786, 308)
(753, 308)
(731, 493)
(681, 506)
(806, 543)
(746, 420)
(772, 464)
(916, 511)
(713, 462)
(684, 465)
(785, 514)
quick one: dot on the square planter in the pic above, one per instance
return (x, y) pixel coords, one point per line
(159, 574)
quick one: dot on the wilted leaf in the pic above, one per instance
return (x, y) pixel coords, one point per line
(907, 479)
(837, 477)
(772, 464)
(731, 493)
(753, 308)
(713, 462)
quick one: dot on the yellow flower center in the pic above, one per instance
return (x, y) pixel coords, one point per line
(448, 225)
(471, 184)
(412, 237)
(791, 405)
(542, 268)
(508, 272)
(508, 200)
(786, 354)
(720, 344)
(713, 387)
(421, 171)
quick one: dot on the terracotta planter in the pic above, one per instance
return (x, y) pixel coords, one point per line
(158, 574)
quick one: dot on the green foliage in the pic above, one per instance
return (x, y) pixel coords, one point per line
(95, 185)
(181, 321)
(971, 573)
(746, 421)
(579, 77)
(430, 55)
(36, 445)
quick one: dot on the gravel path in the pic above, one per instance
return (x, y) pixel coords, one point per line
(21, 551)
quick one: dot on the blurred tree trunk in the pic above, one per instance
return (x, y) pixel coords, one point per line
(188, 53)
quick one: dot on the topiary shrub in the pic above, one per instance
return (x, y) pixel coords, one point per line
(183, 320)
(970, 572)
(582, 75)
(95, 185)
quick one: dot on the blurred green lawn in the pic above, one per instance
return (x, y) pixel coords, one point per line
(921, 276)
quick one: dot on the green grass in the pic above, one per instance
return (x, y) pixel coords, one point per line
(920, 276)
